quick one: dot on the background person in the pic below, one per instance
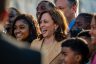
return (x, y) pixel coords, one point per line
(10, 52)
(69, 8)
(74, 51)
(24, 29)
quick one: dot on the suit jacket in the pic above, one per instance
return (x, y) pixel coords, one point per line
(11, 54)
(50, 56)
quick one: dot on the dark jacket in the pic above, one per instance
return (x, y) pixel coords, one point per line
(11, 54)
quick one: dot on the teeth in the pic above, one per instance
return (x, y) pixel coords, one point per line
(18, 35)
(43, 31)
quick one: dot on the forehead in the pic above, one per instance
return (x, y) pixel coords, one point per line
(67, 49)
(21, 21)
(46, 15)
(80, 19)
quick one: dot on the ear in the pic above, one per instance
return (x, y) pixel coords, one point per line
(74, 8)
(78, 58)
(56, 26)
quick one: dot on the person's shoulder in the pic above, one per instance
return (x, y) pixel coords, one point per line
(9, 39)
(36, 44)
(36, 41)
(29, 53)
(16, 53)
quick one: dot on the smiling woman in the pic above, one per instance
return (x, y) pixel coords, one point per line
(24, 28)
(53, 27)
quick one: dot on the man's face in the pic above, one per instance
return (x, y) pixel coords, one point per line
(80, 23)
(63, 5)
(68, 56)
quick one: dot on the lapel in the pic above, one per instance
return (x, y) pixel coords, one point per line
(36, 44)
(53, 53)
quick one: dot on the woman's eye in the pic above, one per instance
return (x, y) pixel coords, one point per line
(45, 21)
(22, 27)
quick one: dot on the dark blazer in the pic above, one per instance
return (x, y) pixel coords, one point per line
(11, 54)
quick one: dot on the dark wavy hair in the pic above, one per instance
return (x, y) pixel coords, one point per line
(79, 46)
(32, 28)
(70, 2)
(59, 19)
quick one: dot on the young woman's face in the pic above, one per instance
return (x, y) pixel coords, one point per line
(47, 25)
(69, 56)
(21, 30)
(93, 30)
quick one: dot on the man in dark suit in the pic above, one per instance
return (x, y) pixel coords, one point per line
(10, 50)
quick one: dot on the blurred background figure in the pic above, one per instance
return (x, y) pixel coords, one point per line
(53, 28)
(86, 35)
(74, 51)
(93, 36)
(44, 6)
(69, 8)
(24, 29)
(83, 21)
(10, 50)
(13, 12)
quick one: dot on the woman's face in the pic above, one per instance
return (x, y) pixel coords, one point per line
(93, 30)
(21, 30)
(47, 25)
(68, 56)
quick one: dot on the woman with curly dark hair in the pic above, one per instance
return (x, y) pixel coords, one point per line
(24, 28)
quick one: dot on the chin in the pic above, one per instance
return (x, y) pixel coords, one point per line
(44, 35)
(19, 39)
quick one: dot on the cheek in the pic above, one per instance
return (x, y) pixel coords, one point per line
(52, 29)
(26, 32)
(69, 60)
(94, 33)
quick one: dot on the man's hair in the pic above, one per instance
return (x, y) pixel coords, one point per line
(45, 5)
(71, 2)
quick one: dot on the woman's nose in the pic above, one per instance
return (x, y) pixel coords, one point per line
(17, 31)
